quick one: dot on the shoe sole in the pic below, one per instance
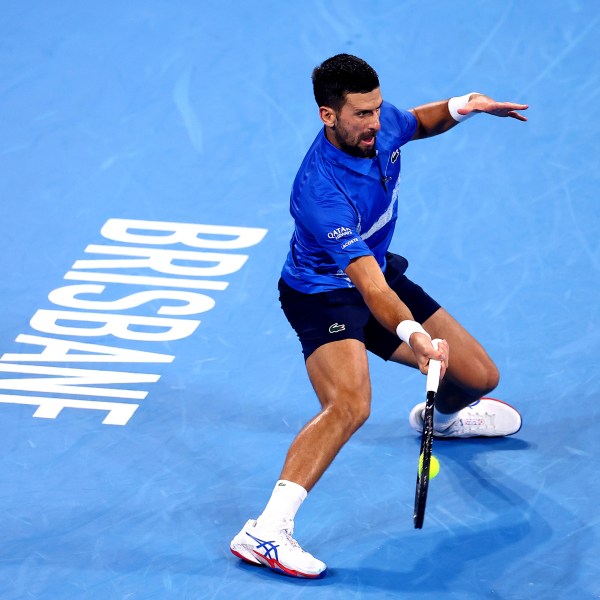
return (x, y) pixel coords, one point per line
(250, 561)
(276, 566)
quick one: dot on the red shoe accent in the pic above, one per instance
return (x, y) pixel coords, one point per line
(277, 566)
(250, 562)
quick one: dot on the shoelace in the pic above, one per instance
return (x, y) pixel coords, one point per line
(476, 421)
(287, 531)
(291, 540)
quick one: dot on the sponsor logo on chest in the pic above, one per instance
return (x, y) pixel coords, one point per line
(338, 233)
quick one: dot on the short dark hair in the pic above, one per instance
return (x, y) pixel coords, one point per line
(340, 75)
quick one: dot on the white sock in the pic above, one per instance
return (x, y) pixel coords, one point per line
(442, 421)
(284, 503)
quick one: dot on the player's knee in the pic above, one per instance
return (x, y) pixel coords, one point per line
(353, 412)
(489, 377)
(361, 413)
(480, 378)
(494, 377)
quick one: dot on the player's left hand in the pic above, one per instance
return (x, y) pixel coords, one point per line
(481, 103)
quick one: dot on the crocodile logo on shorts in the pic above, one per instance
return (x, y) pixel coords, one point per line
(336, 328)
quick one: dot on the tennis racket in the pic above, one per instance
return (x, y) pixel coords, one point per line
(433, 381)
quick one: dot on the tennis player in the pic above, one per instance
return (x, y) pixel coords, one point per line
(344, 293)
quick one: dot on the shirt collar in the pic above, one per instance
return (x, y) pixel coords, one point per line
(359, 165)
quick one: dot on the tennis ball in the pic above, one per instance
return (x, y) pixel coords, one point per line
(434, 466)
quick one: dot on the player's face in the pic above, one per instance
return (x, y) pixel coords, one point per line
(356, 124)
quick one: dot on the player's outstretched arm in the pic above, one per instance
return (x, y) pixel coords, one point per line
(482, 103)
(437, 117)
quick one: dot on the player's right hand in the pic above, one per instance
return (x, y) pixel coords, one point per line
(424, 351)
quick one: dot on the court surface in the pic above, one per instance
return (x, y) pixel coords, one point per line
(145, 413)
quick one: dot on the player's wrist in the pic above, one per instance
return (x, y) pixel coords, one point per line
(406, 328)
(460, 102)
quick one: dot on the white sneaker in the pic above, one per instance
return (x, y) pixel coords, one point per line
(277, 549)
(487, 417)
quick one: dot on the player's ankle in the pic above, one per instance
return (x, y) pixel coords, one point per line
(443, 420)
(284, 503)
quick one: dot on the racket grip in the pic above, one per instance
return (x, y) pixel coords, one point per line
(433, 374)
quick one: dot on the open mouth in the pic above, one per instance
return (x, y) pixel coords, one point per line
(368, 142)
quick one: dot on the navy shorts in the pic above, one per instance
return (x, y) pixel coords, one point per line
(341, 314)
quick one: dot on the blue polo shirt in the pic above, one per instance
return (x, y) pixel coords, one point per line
(344, 206)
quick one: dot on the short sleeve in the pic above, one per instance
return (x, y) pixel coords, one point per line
(405, 122)
(333, 223)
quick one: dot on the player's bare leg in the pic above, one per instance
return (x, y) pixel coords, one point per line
(471, 375)
(471, 372)
(339, 373)
(340, 376)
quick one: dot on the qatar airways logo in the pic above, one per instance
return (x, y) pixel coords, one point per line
(338, 233)
(179, 272)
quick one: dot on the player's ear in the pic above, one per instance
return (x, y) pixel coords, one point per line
(327, 115)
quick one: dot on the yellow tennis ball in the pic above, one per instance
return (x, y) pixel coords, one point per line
(434, 466)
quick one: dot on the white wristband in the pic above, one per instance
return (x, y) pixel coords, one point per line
(460, 102)
(406, 328)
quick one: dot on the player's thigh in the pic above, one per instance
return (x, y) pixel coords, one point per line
(339, 373)
(379, 340)
(469, 364)
(325, 317)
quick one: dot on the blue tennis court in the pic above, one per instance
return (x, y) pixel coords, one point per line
(149, 382)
